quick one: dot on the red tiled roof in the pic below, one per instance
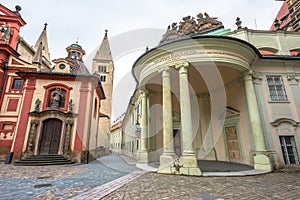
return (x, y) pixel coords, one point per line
(283, 11)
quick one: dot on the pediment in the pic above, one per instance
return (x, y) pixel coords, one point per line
(229, 112)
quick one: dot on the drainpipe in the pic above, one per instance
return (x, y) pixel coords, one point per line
(4, 77)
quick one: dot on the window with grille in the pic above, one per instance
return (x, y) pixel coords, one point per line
(289, 150)
(276, 88)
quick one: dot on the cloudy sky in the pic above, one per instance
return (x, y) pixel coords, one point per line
(127, 21)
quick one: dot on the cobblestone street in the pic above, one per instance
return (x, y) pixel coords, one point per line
(110, 177)
(59, 182)
(283, 184)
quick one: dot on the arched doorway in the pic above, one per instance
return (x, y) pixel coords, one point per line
(50, 137)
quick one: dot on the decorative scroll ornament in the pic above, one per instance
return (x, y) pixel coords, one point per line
(190, 25)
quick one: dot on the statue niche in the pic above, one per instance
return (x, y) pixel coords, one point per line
(57, 98)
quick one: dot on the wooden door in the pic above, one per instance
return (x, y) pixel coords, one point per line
(177, 142)
(232, 144)
(50, 138)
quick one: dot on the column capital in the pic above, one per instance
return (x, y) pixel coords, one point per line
(248, 75)
(34, 122)
(143, 92)
(205, 95)
(257, 77)
(182, 66)
(163, 69)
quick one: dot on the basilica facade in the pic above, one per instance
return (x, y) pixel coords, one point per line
(48, 107)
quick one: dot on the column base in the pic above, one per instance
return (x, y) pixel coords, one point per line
(263, 162)
(143, 157)
(188, 165)
(166, 164)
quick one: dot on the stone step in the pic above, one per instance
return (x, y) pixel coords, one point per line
(42, 160)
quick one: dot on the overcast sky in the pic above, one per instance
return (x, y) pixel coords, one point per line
(128, 20)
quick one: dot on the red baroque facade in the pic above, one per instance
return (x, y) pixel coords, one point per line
(45, 108)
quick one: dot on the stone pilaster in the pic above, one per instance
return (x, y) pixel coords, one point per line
(293, 81)
(67, 150)
(261, 158)
(188, 160)
(31, 138)
(168, 156)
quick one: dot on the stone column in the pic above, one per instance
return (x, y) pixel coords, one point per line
(143, 152)
(188, 160)
(261, 159)
(208, 150)
(168, 156)
(198, 140)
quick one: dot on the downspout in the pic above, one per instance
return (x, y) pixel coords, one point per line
(4, 76)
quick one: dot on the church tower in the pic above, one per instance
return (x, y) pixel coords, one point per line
(103, 66)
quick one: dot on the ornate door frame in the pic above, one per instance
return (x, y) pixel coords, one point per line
(36, 120)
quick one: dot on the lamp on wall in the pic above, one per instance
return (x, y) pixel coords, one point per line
(138, 129)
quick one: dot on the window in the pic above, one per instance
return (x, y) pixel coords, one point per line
(289, 151)
(276, 88)
(283, 19)
(17, 84)
(62, 66)
(102, 78)
(75, 55)
(101, 68)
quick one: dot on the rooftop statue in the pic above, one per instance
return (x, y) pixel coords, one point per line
(190, 25)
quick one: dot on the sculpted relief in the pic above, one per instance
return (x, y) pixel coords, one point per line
(190, 25)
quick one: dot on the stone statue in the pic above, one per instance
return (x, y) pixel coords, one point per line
(56, 98)
(6, 33)
(71, 105)
(211, 20)
(57, 94)
(189, 25)
(238, 23)
(37, 105)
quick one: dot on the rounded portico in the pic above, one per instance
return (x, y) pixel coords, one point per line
(198, 102)
(202, 87)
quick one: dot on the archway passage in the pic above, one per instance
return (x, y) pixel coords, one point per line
(50, 137)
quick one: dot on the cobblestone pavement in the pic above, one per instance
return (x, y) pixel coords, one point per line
(59, 182)
(282, 184)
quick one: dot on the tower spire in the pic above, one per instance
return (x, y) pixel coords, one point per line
(104, 52)
(37, 59)
(44, 40)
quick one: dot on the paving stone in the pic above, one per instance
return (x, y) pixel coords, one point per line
(114, 177)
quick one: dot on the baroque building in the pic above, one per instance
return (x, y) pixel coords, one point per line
(47, 108)
(205, 92)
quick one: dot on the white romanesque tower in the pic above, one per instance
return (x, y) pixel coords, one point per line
(104, 66)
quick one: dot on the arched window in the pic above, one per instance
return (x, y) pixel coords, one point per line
(57, 95)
